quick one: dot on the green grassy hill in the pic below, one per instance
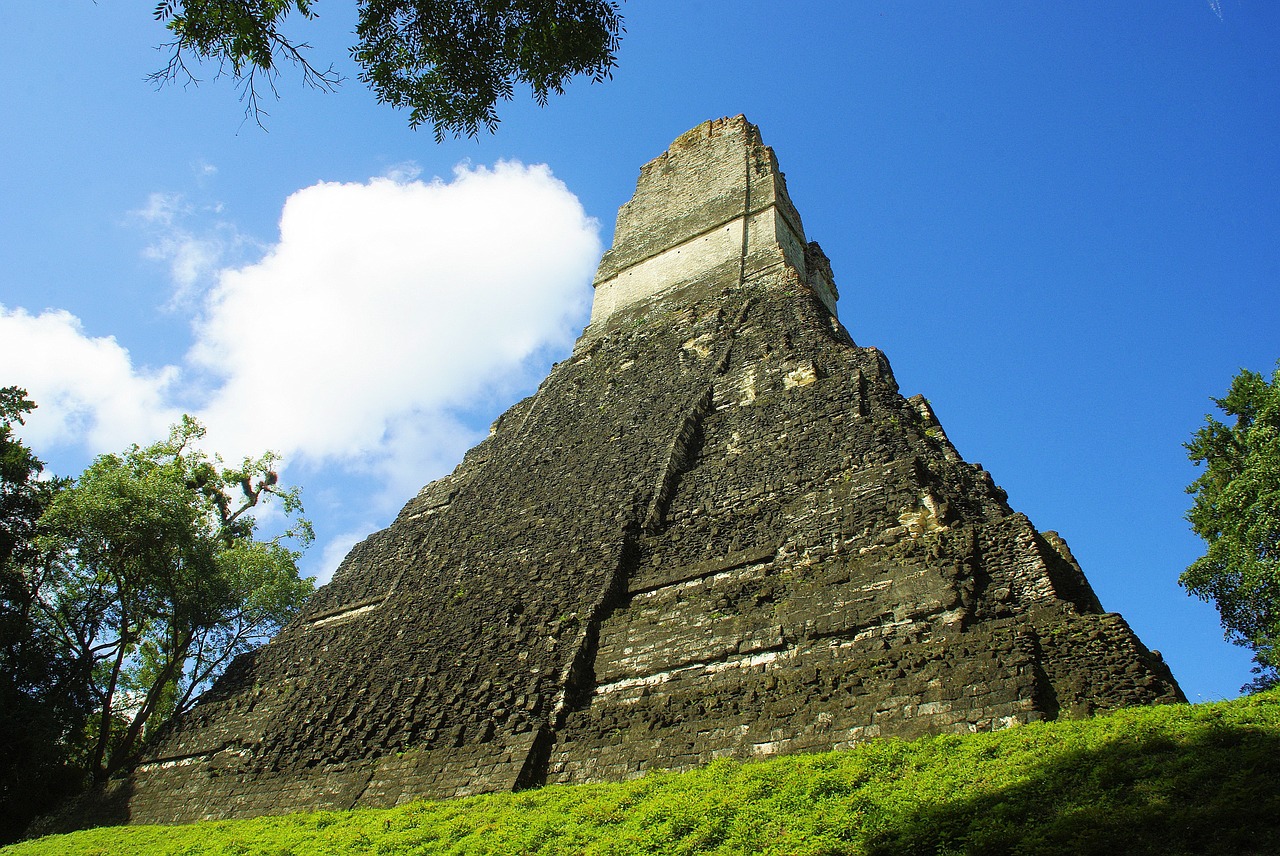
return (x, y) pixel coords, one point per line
(1169, 780)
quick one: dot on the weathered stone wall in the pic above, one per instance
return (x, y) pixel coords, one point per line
(707, 177)
(713, 205)
(826, 569)
(716, 530)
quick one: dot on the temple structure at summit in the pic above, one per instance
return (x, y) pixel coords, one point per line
(716, 530)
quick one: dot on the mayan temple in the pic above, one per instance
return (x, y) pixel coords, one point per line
(716, 530)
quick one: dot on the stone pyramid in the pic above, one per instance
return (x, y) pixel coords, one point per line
(717, 529)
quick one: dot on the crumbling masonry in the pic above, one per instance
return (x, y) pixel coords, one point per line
(717, 529)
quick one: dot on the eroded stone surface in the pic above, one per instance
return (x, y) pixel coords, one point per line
(716, 530)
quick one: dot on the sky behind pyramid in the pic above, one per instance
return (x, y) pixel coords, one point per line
(1059, 223)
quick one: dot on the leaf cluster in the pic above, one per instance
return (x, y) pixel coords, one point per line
(1237, 512)
(23, 494)
(243, 38)
(448, 62)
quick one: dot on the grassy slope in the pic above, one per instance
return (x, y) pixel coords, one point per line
(1178, 779)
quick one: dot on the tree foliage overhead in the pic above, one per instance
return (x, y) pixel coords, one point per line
(448, 62)
(1237, 512)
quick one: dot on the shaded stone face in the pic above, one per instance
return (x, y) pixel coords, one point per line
(716, 530)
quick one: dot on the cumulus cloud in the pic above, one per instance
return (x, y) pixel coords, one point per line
(387, 307)
(86, 387)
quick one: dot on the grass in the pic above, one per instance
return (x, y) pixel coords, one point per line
(1168, 780)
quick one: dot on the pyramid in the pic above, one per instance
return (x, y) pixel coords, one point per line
(716, 530)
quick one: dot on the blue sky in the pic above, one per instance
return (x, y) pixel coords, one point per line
(1060, 222)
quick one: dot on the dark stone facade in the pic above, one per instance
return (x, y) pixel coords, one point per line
(716, 530)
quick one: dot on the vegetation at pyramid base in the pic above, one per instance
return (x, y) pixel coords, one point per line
(152, 577)
(43, 697)
(123, 595)
(1237, 513)
(1160, 780)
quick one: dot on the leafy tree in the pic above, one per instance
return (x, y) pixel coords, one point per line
(22, 494)
(447, 61)
(42, 699)
(1237, 512)
(153, 581)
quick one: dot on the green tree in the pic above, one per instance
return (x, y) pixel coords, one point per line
(448, 62)
(43, 699)
(1237, 512)
(153, 580)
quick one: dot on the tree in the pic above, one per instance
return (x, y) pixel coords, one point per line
(41, 707)
(152, 581)
(42, 695)
(447, 61)
(23, 495)
(1237, 512)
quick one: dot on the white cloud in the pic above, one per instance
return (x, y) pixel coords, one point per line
(388, 305)
(87, 390)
